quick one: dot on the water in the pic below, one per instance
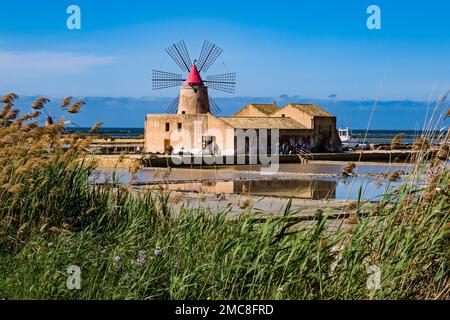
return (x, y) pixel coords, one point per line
(339, 189)
(317, 168)
(386, 136)
(313, 181)
(381, 136)
(117, 133)
(245, 172)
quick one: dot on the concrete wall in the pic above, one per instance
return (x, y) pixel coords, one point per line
(325, 133)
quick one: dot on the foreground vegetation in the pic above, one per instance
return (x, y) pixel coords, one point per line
(133, 245)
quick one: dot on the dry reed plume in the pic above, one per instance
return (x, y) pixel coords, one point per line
(66, 102)
(96, 126)
(347, 170)
(29, 153)
(397, 140)
(75, 107)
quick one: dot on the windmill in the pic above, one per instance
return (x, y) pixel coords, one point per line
(193, 97)
(52, 113)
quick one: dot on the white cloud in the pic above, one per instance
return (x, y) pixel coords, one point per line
(32, 64)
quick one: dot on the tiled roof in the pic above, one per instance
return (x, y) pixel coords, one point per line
(262, 123)
(311, 109)
(264, 108)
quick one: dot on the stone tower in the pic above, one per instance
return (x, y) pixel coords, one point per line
(193, 95)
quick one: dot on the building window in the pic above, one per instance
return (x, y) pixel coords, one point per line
(179, 126)
(167, 126)
(283, 115)
(183, 112)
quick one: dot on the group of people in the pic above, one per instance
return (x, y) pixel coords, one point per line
(287, 148)
(213, 149)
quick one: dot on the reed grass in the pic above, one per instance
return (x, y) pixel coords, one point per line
(132, 245)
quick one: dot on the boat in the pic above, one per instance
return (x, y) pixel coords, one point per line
(349, 142)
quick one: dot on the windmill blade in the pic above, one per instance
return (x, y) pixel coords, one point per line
(46, 112)
(161, 80)
(222, 82)
(214, 107)
(209, 54)
(173, 106)
(179, 53)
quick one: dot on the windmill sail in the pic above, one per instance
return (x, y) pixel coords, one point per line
(179, 53)
(161, 79)
(214, 107)
(209, 54)
(173, 106)
(222, 82)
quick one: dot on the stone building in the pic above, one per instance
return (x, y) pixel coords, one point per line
(193, 129)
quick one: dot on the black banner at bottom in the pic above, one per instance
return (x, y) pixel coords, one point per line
(221, 309)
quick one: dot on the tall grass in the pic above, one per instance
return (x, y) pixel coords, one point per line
(132, 245)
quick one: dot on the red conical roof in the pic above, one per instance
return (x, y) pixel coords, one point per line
(194, 78)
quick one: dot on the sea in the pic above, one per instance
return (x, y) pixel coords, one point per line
(372, 136)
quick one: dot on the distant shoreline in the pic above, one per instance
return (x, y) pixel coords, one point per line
(375, 135)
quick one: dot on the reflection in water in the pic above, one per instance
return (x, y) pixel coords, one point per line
(279, 188)
(340, 189)
(239, 172)
(317, 168)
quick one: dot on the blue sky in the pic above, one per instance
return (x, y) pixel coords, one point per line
(306, 48)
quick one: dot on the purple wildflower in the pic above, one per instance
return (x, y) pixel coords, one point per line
(140, 261)
(117, 259)
(158, 251)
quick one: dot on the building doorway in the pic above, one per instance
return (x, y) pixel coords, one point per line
(167, 146)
